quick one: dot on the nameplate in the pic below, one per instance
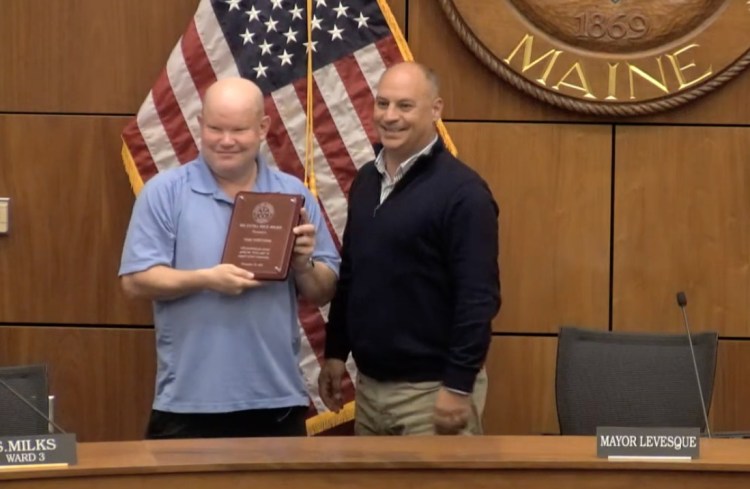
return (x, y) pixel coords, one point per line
(648, 443)
(38, 450)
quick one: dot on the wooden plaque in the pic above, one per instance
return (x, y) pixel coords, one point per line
(260, 237)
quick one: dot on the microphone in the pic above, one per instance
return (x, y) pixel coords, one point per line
(36, 410)
(682, 302)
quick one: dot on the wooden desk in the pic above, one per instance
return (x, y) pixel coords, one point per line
(496, 462)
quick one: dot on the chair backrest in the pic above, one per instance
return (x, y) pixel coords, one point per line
(627, 379)
(16, 418)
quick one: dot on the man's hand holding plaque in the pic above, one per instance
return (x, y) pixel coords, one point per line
(263, 233)
(304, 244)
(230, 279)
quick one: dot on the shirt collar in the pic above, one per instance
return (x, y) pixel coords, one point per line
(202, 180)
(406, 164)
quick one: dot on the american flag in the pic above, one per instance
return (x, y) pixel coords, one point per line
(266, 41)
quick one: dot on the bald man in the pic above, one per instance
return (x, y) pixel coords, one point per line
(227, 344)
(419, 281)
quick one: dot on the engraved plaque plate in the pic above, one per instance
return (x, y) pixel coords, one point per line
(260, 237)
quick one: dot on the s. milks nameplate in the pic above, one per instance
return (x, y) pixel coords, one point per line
(260, 237)
(34, 450)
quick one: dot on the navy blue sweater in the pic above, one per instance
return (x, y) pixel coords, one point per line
(419, 281)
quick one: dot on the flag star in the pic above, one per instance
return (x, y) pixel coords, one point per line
(296, 13)
(276, 4)
(265, 48)
(362, 21)
(316, 22)
(336, 33)
(286, 58)
(313, 46)
(319, 3)
(340, 10)
(291, 36)
(260, 70)
(233, 4)
(247, 37)
(253, 14)
(271, 25)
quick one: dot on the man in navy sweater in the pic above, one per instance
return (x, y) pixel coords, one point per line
(419, 281)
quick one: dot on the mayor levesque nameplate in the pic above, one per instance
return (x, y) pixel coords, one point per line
(260, 237)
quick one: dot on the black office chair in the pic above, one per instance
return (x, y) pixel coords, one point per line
(638, 380)
(16, 417)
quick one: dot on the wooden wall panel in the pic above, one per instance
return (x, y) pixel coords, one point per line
(682, 222)
(70, 205)
(103, 379)
(398, 7)
(729, 407)
(554, 198)
(85, 56)
(729, 104)
(521, 394)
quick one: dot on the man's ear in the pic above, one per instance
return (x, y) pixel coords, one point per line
(437, 109)
(265, 125)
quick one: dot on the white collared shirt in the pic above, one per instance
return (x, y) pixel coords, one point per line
(387, 183)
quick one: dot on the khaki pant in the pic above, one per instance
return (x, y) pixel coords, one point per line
(406, 408)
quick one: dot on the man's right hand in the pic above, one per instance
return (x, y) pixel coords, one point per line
(230, 279)
(329, 383)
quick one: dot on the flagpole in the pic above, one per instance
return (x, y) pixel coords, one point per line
(310, 182)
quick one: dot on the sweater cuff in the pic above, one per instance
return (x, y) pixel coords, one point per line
(336, 349)
(459, 379)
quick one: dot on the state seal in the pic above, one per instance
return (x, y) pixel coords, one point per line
(608, 57)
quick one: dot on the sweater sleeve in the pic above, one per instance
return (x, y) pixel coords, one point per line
(472, 237)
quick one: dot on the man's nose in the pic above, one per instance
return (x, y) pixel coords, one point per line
(226, 138)
(391, 113)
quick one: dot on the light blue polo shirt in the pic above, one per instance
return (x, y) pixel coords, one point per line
(218, 353)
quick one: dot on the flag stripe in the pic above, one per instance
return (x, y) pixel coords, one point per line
(334, 154)
(280, 143)
(214, 43)
(267, 156)
(196, 60)
(371, 65)
(185, 93)
(283, 150)
(389, 51)
(329, 225)
(359, 92)
(139, 151)
(155, 136)
(280, 147)
(291, 112)
(171, 118)
(349, 130)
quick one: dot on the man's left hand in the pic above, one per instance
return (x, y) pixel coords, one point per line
(452, 411)
(304, 243)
